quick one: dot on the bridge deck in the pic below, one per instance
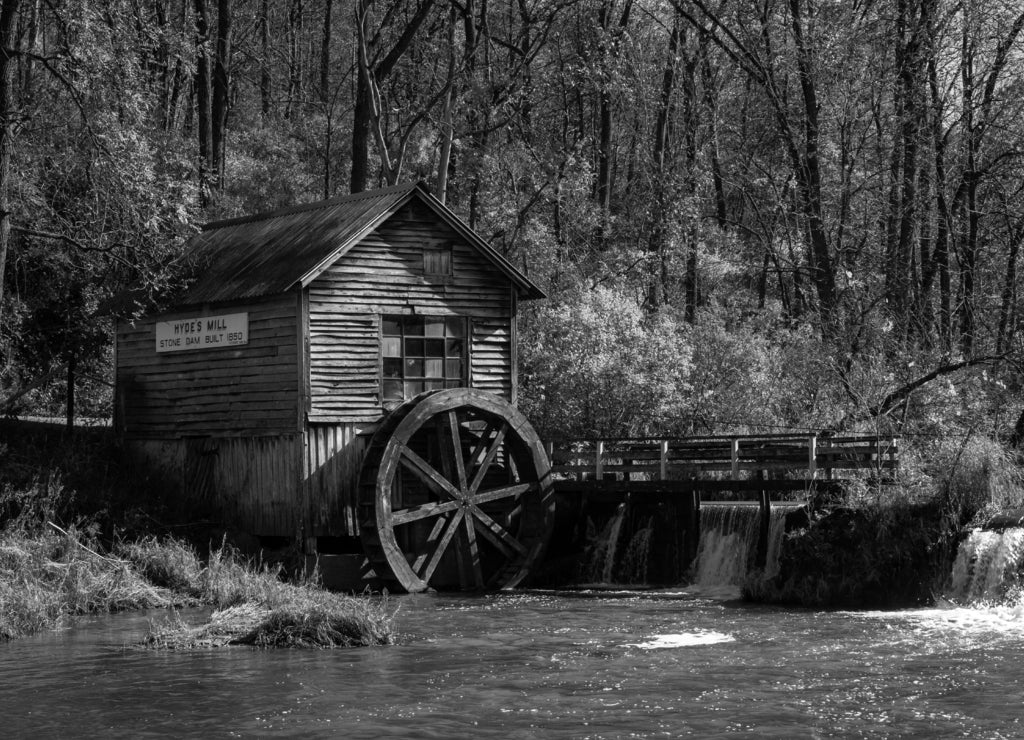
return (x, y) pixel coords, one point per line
(713, 464)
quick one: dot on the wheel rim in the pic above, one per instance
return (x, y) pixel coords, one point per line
(460, 490)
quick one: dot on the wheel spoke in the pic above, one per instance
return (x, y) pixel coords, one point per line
(482, 441)
(428, 475)
(456, 451)
(435, 558)
(415, 513)
(431, 539)
(497, 534)
(492, 452)
(476, 571)
(499, 493)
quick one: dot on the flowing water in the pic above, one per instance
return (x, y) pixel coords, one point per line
(543, 664)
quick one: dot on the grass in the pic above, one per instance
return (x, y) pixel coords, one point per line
(255, 607)
(51, 576)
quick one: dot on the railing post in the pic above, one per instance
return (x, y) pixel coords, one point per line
(663, 468)
(599, 461)
(734, 450)
(812, 456)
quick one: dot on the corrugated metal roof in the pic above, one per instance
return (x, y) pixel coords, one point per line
(270, 253)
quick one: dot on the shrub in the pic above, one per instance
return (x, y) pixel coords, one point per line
(596, 365)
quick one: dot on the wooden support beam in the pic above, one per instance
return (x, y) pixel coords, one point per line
(812, 456)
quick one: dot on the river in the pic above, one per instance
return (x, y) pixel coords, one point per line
(536, 664)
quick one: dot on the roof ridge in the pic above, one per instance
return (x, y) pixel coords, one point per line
(313, 205)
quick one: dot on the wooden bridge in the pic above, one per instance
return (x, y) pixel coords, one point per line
(723, 463)
(675, 476)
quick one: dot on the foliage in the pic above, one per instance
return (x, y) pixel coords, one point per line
(893, 545)
(597, 366)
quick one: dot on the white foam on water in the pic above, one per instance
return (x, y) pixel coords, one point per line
(683, 639)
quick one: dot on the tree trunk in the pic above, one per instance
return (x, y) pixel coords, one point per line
(657, 248)
(325, 53)
(9, 11)
(266, 81)
(808, 176)
(221, 89)
(70, 405)
(203, 95)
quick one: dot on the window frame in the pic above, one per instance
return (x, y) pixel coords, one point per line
(446, 253)
(402, 361)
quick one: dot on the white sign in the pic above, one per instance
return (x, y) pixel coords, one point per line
(203, 332)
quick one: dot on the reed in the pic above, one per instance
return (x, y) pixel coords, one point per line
(50, 576)
(55, 574)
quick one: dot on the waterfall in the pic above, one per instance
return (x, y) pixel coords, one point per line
(988, 565)
(601, 563)
(729, 535)
(621, 552)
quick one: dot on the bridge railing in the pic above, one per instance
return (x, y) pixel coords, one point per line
(806, 457)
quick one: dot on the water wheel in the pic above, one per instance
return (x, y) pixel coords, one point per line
(454, 494)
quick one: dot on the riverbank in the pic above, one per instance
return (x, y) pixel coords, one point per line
(893, 546)
(50, 577)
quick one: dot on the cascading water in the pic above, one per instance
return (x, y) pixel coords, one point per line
(601, 563)
(988, 566)
(620, 553)
(729, 535)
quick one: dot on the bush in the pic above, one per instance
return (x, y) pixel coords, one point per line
(596, 365)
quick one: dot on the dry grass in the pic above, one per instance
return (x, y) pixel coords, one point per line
(303, 617)
(255, 607)
(48, 577)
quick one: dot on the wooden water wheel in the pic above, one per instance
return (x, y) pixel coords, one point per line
(454, 494)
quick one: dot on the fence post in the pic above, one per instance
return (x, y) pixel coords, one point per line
(812, 455)
(734, 450)
(599, 461)
(663, 472)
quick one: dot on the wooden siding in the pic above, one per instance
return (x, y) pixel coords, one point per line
(253, 389)
(383, 275)
(247, 482)
(332, 457)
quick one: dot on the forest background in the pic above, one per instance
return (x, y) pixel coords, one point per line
(749, 215)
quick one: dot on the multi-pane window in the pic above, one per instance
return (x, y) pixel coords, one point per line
(422, 353)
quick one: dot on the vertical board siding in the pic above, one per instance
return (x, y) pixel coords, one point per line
(381, 275)
(252, 389)
(248, 482)
(333, 454)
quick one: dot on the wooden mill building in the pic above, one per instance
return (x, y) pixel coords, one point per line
(257, 392)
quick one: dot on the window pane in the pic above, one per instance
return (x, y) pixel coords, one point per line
(434, 368)
(456, 326)
(414, 348)
(454, 347)
(413, 326)
(453, 384)
(392, 390)
(433, 348)
(391, 326)
(392, 367)
(413, 368)
(412, 388)
(434, 327)
(392, 347)
(453, 368)
(433, 385)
